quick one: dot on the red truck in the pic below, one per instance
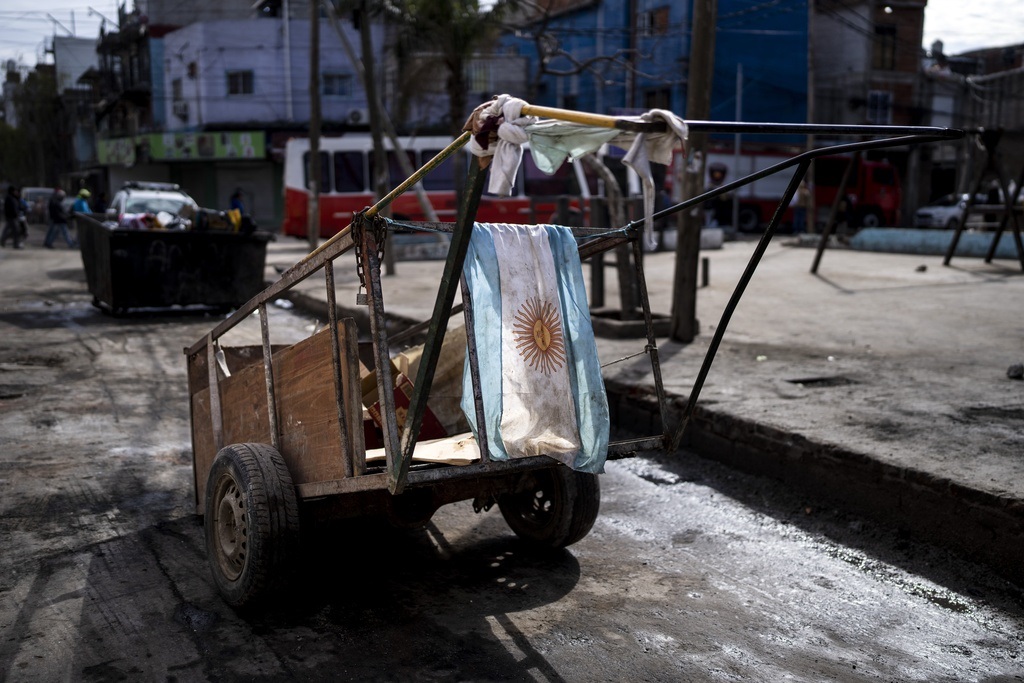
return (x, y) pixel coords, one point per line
(873, 188)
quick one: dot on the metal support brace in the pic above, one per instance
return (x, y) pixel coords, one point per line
(339, 386)
(397, 471)
(381, 356)
(734, 300)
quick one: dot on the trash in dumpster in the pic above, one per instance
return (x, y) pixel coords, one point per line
(148, 252)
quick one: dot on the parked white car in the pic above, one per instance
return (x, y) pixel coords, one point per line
(138, 204)
(945, 213)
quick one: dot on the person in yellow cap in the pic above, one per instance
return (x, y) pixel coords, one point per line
(81, 204)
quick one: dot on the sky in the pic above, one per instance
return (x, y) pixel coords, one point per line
(26, 25)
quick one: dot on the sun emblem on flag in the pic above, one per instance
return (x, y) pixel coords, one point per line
(538, 335)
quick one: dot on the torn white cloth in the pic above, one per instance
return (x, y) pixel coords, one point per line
(508, 151)
(656, 147)
(553, 141)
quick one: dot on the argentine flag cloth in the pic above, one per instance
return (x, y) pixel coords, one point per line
(540, 378)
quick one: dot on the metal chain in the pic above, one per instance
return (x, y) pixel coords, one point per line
(357, 247)
(380, 235)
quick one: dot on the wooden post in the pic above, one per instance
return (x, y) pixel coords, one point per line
(380, 162)
(314, 170)
(684, 323)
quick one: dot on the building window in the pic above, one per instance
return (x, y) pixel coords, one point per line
(336, 85)
(654, 22)
(885, 48)
(657, 98)
(240, 83)
(879, 107)
(478, 76)
(179, 107)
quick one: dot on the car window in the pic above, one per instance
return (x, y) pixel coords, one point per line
(155, 204)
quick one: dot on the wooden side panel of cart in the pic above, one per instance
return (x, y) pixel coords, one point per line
(311, 439)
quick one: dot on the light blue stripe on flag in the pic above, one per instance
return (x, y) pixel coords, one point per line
(590, 401)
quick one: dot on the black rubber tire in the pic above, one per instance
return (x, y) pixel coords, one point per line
(553, 507)
(252, 523)
(870, 218)
(749, 219)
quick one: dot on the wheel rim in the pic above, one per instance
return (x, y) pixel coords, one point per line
(230, 531)
(539, 505)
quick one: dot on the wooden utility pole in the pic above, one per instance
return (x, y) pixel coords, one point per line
(684, 323)
(380, 162)
(313, 170)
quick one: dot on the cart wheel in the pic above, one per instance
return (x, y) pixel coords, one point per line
(554, 507)
(252, 522)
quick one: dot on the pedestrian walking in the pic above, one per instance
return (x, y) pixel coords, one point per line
(12, 209)
(81, 204)
(58, 221)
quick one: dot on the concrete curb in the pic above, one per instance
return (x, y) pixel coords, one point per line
(980, 526)
(933, 505)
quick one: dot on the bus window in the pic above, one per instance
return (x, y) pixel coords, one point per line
(349, 173)
(442, 177)
(395, 173)
(540, 184)
(325, 171)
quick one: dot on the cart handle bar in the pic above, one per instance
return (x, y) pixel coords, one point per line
(631, 124)
(328, 251)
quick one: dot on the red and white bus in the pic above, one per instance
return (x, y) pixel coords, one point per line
(346, 165)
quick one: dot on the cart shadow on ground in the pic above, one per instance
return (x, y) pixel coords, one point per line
(885, 551)
(393, 600)
(421, 569)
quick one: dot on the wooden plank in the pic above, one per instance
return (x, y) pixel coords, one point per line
(236, 357)
(307, 413)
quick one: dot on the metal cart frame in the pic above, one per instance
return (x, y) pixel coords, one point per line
(404, 491)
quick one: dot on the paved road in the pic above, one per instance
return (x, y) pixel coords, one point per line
(692, 572)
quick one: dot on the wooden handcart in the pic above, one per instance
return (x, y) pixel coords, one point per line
(276, 429)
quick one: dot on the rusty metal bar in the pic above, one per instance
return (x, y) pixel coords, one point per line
(329, 250)
(1009, 214)
(216, 417)
(832, 212)
(297, 273)
(602, 245)
(804, 157)
(474, 372)
(381, 355)
(413, 330)
(268, 373)
(652, 344)
(817, 129)
(435, 338)
(450, 227)
(734, 300)
(618, 450)
(339, 386)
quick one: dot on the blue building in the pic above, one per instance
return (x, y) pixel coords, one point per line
(618, 56)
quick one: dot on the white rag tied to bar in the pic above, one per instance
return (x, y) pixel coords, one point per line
(540, 379)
